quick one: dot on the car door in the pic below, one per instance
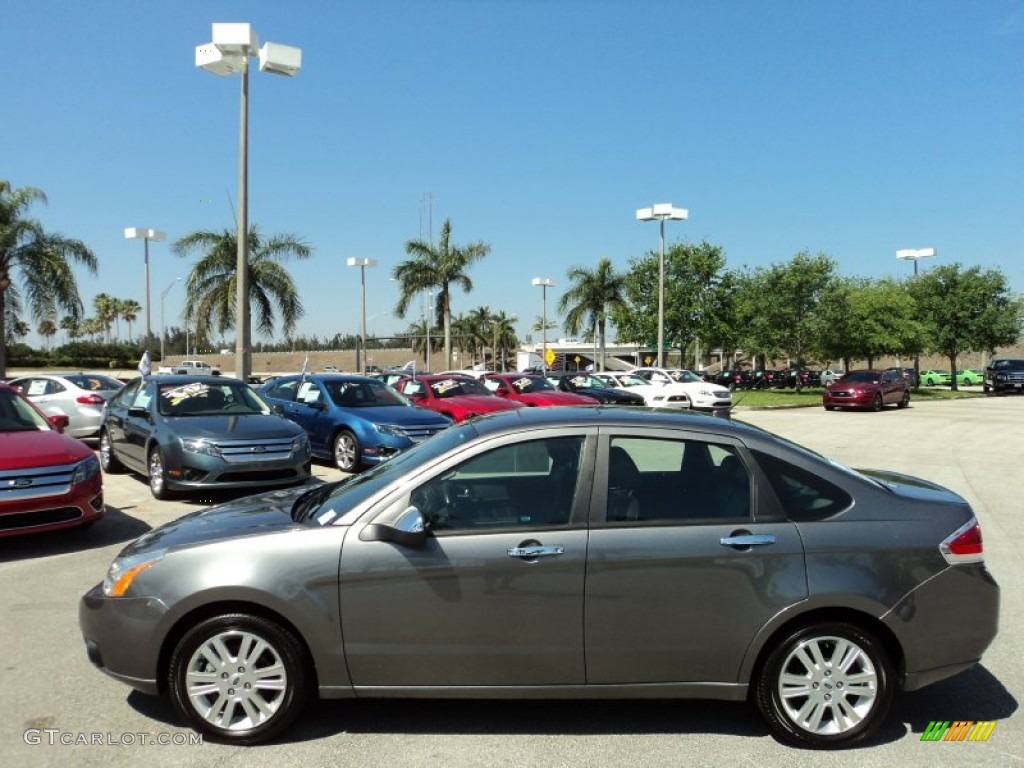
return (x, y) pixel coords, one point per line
(681, 572)
(311, 412)
(495, 597)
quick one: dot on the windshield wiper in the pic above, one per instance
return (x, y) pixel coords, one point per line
(307, 504)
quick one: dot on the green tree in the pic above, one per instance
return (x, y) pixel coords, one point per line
(965, 310)
(441, 267)
(47, 329)
(42, 259)
(504, 338)
(210, 286)
(479, 323)
(698, 298)
(105, 307)
(70, 326)
(129, 309)
(592, 296)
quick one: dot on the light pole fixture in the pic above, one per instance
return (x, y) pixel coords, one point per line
(914, 255)
(660, 213)
(356, 261)
(163, 295)
(544, 283)
(138, 233)
(229, 54)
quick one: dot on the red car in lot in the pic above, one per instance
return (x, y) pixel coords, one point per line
(868, 389)
(48, 480)
(457, 397)
(531, 389)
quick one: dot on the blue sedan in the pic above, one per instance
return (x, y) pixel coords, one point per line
(351, 420)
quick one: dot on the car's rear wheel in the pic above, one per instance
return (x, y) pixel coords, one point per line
(877, 404)
(239, 678)
(157, 474)
(108, 461)
(825, 686)
(346, 451)
(904, 401)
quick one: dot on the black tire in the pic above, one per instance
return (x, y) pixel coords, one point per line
(877, 404)
(157, 472)
(346, 451)
(830, 407)
(838, 710)
(234, 679)
(109, 462)
(905, 400)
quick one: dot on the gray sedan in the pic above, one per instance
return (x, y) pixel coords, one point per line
(200, 432)
(559, 553)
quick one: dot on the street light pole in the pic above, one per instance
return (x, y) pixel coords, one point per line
(356, 261)
(163, 333)
(138, 233)
(915, 255)
(544, 283)
(229, 54)
(660, 212)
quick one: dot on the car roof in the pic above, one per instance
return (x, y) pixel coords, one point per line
(191, 378)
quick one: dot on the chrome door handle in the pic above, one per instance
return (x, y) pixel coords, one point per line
(748, 540)
(528, 553)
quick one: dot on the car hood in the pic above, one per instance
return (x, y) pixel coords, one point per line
(400, 416)
(39, 448)
(262, 513)
(480, 403)
(556, 398)
(233, 427)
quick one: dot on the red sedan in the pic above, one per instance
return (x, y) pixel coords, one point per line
(867, 389)
(530, 389)
(48, 480)
(457, 397)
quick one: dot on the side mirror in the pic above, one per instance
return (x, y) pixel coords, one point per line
(409, 530)
(59, 421)
(278, 409)
(139, 413)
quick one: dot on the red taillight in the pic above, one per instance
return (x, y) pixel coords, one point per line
(964, 545)
(90, 400)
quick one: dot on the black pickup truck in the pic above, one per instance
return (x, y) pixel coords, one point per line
(1004, 375)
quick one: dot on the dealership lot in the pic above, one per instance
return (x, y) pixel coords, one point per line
(52, 694)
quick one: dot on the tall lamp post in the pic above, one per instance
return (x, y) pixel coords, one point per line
(356, 261)
(229, 54)
(660, 213)
(138, 233)
(544, 283)
(915, 255)
(163, 333)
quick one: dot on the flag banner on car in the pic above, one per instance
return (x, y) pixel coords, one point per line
(145, 365)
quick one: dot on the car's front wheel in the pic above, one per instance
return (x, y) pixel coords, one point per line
(904, 401)
(346, 451)
(877, 404)
(825, 686)
(239, 678)
(108, 460)
(157, 474)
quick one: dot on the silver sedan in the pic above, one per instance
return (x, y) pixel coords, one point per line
(79, 396)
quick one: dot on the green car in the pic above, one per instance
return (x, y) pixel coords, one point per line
(935, 378)
(969, 377)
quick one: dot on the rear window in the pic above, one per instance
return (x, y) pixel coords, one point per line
(95, 383)
(804, 495)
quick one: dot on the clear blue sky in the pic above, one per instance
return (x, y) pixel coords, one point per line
(850, 128)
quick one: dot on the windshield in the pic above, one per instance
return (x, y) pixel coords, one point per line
(16, 415)
(526, 384)
(203, 399)
(363, 394)
(631, 381)
(453, 387)
(586, 381)
(685, 376)
(1008, 365)
(357, 489)
(861, 377)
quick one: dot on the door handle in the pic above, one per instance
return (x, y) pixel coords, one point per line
(535, 551)
(748, 539)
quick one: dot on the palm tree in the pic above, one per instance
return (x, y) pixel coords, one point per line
(210, 287)
(479, 323)
(503, 328)
(591, 296)
(105, 307)
(43, 260)
(438, 267)
(47, 329)
(540, 324)
(129, 310)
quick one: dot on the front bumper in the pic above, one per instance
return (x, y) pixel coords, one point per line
(119, 635)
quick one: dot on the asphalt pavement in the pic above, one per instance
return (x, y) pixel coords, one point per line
(57, 710)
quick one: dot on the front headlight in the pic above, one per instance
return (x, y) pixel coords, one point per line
(88, 468)
(301, 444)
(123, 570)
(390, 429)
(201, 446)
